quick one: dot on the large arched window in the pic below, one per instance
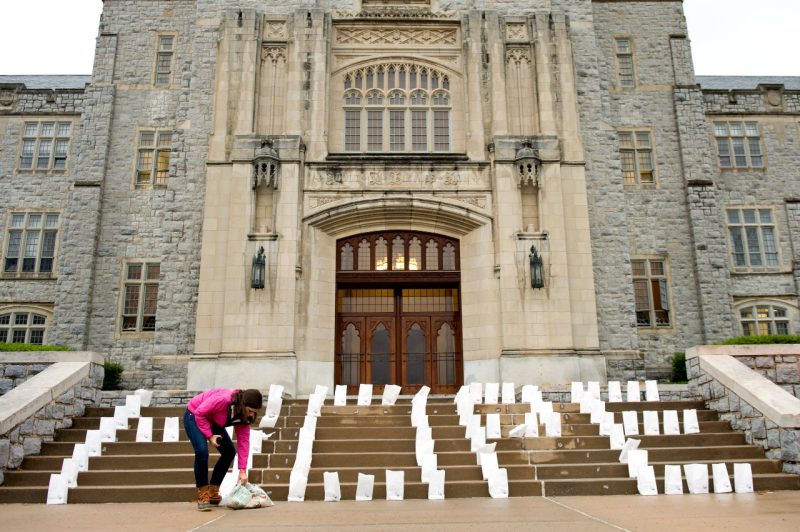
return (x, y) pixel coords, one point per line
(398, 251)
(765, 318)
(405, 107)
(24, 325)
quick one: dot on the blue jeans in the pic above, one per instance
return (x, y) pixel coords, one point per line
(226, 450)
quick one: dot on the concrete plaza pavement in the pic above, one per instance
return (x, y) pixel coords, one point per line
(773, 511)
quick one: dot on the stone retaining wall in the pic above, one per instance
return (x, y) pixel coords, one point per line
(12, 375)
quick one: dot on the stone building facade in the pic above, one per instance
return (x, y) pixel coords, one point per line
(397, 163)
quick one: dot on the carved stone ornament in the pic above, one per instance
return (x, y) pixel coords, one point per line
(7, 98)
(527, 165)
(275, 30)
(266, 166)
(774, 98)
(401, 179)
(274, 54)
(518, 56)
(395, 11)
(516, 31)
(396, 36)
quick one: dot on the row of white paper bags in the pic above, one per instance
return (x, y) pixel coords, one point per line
(633, 392)
(491, 395)
(630, 422)
(298, 478)
(390, 394)
(696, 479)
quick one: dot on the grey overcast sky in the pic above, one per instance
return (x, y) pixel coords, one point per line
(734, 37)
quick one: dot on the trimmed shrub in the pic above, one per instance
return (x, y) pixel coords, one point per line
(679, 368)
(112, 379)
(764, 339)
(32, 347)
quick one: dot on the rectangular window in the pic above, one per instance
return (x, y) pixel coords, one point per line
(374, 130)
(45, 145)
(738, 144)
(636, 154)
(441, 130)
(140, 297)
(397, 130)
(164, 57)
(651, 293)
(419, 130)
(625, 62)
(352, 130)
(753, 242)
(152, 159)
(31, 244)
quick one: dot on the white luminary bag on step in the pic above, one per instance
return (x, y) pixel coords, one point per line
(629, 445)
(673, 483)
(630, 421)
(671, 424)
(424, 433)
(330, 481)
(527, 393)
(597, 412)
(108, 429)
(57, 490)
(575, 392)
(646, 481)
(485, 449)
(364, 394)
(394, 485)
(297, 486)
(476, 392)
(593, 389)
(315, 405)
(690, 423)
(586, 403)
(617, 436)
(170, 429)
(423, 449)
(422, 395)
(473, 425)
(80, 455)
(93, 443)
(614, 392)
(498, 484)
(606, 424)
(637, 458)
(651, 391)
(553, 425)
(722, 482)
(650, 422)
(518, 431)
(274, 403)
(133, 404)
(493, 427)
(545, 410)
(743, 478)
(488, 465)
(340, 395)
(121, 417)
(390, 394)
(319, 389)
(436, 485)
(429, 465)
(531, 425)
(302, 463)
(418, 414)
(145, 396)
(492, 391)
(364, 487)
(632, 392)
(144, 430)
(69, 472)
(696, 477)
(478, 439)
(509, 396)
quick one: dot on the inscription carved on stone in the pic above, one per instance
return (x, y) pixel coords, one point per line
(396, 179)
(273, 54)
(319, 201)
(275, 30)
(476, 201)
(518, 56)
(395, 36)
(396, 11)
(516, 31)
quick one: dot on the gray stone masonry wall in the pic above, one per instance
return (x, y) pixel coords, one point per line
(782, 370)
(12, 375)
(627, 369)
(27, 437)
(160, 397)
(779, 443)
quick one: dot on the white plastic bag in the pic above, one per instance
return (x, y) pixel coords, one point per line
(80, 455)
(476, 392)
(144, 430)
(364, 395)
(145, 396)
(108, 429)
(246, 495)
(722, 482)
(133, 405)
(121, 417)
(651, 391)
(633, 393)
(364, 487)
(340, 395)
(606, 424)
(531, 425)
(69, 472)
(650, 422)
(743, 477)
(297, 486)
(646, 481)
(630, 445)
(57, 490)
(614, 392)
(491, 393)
(390, 394)
(394, 485)
(429, 465)
(93, 443)
(509, 396)
(673, 484)
(696, 477)
(630, 421)
(576, 392)
(170, 429)
(690, 423)
(488, 465)
(671, 425)
(330, 482)
(553, 425)
(493, 427)
(637, 458)
(436, 485)
(617, 436)
(498, 484)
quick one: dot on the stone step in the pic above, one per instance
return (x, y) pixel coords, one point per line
(384, 460)
(616, 469)
(663, 454)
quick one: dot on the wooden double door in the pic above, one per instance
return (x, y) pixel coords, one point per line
(409, 336)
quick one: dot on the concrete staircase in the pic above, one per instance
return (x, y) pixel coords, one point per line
(354, 439)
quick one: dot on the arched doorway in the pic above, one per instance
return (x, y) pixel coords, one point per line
(398, 311)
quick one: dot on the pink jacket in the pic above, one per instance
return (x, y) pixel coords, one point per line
(211, 408)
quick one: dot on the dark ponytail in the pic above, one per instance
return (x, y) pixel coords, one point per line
(242, 398)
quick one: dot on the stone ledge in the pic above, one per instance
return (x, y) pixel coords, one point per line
(49, 357)
(744, 350)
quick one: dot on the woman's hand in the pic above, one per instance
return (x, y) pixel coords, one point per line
(242, 477)
(214, 440)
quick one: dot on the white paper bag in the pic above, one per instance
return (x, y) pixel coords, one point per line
(646, 481)
(93, 443)
(274, 400)
(743, 478)
(493, 427)
(696, 477)
(257, 438)
(614, 392)
(485, 449)
(553, 425)
(310, 422)
(305, 445)
(429, 465)
(422, 395)
(228, 483)
(144, 431)
(436, 485)
(476, 392)
(527, 393)
(478, 439)
(364, 487)
(633, 393)
(690, 423)
(302, 463)
(57, 490)
(340, 395)
(390, 394)
(531, 425)
(576, 392)
(424, 433)
(630, 421)
(423, 449)
(268, 422)
(498, 484)
(586, 403)
(651, 391)
(673, 484)
(170, 429)
(606, 423)
(637, 458)
(315, 405)
(133, 405)
(69, 472)
(80, 456)
(630, 445)
(722, 482)
(536, 398)
(650, 422)
(108, 429)
(121, 417)
(597, 412)
(509, 396)
(462, 393)
(473, 425)
(545, 410)
(145, 396)
(418, 413)
(297, 486)
(330, 482)
(364, 395)
(518, 431)
(617, 436)
(593, 389)
(488, 465)
(492, 391)
(671, 425)
(394, 485)
(319, 389)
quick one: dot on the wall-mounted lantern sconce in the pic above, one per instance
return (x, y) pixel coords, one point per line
(537, 269)
(527, 165)
(266, 165)
(257, 277)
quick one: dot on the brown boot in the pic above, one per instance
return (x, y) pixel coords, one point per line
(202, 499)
(213, 495)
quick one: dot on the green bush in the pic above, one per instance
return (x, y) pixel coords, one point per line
(764, 339)
(112, 380)
(32, 347)
(679, 368)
